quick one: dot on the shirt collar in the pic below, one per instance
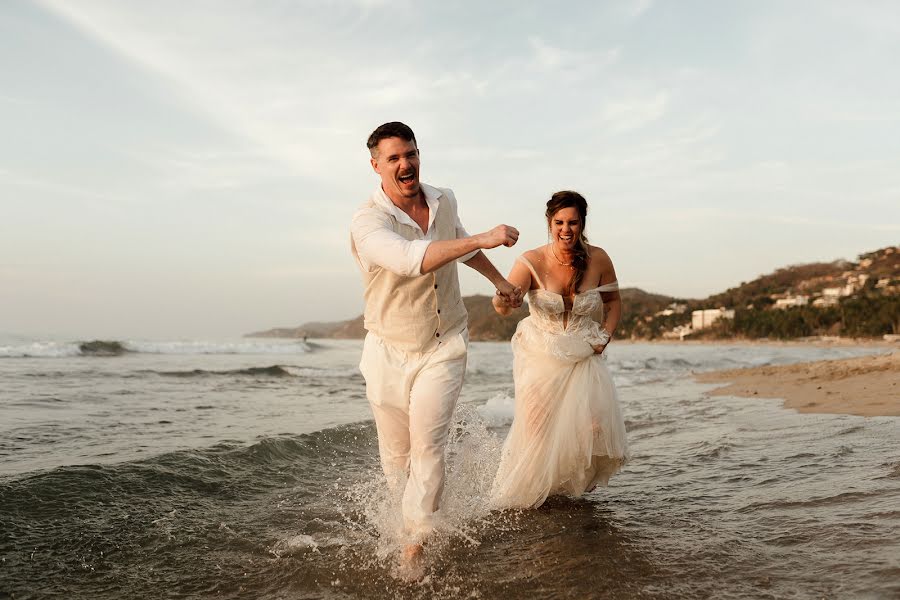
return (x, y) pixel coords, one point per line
(432, 199)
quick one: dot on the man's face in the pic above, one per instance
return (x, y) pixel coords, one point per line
(397, 161)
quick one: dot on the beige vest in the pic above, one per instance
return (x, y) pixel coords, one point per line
(413, 313)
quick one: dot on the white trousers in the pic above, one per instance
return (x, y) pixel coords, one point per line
(413, 395)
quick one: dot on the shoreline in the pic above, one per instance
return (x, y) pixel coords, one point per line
(818, 342)
(867, 386)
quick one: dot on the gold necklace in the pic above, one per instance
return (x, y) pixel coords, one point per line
(568, 264)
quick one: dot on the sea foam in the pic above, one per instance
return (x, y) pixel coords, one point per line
(60, 349)
(473, 454)
(498, 411)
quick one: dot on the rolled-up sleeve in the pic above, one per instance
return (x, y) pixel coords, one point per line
(460, 230)
(378, 245)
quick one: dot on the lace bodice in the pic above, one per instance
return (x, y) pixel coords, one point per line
(548, 310)
(562, 328)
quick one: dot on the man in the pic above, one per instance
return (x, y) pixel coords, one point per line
(406, 240)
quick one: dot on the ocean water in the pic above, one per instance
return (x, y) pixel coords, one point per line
(249, 469)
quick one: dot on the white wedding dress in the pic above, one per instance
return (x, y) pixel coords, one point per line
(568, 434)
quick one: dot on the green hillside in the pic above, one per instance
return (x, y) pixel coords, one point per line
(858, 299)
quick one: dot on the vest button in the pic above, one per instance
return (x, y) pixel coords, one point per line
(435, 286)
(437, 335)
(439, 311)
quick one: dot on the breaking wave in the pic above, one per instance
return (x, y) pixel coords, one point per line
(269, 371)
(106, 348)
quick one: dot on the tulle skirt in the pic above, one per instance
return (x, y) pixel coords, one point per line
(568, 435)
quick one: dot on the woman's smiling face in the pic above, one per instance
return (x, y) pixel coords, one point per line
(565, 227)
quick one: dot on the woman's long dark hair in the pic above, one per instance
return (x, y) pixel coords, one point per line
(580, 253)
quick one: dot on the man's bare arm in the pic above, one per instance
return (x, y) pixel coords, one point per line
(442, 252)
(481, 263)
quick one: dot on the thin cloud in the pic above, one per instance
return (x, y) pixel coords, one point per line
(636, 8)
(203, 80)
(713, 215)
(12, 99)
(634, 113)
(831, 223)
(8, 178)
(555, 58)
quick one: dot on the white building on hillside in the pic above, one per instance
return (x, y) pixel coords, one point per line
(790, 301)
(673, 309)
(701, 319)
(679, 332)
(825, 301)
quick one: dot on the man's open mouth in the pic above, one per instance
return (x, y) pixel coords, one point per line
(407, 179)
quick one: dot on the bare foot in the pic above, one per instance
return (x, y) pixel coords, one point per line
(412, 562)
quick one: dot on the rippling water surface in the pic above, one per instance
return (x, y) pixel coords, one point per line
(249, 470)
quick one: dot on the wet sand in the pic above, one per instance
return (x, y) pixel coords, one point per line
(818, 342)
(867, 386)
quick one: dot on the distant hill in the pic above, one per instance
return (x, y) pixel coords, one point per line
(637, 307)
(868, 305)
(484, 322)
(352, 329)
(840, 298)
(795, 277)
(810, 279)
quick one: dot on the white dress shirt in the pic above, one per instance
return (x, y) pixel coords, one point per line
(378, 245)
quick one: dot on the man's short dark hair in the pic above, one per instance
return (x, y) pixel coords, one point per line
(388, 130)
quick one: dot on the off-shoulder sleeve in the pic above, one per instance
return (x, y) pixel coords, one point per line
(609, 287)
(521, 258)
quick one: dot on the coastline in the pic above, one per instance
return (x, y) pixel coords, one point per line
(867, 386)
(874, 343)
(836, 342)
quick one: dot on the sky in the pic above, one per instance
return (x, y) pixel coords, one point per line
(174, 170)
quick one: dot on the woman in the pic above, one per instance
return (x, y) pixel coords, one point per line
(568, 434)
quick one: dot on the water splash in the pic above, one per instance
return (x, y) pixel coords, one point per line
(373, 510)
(498, 411)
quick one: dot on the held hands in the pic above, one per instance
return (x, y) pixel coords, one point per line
(508, 295)
(501, 235)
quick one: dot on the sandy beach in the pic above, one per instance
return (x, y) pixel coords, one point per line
(816, 342)
(867, 386)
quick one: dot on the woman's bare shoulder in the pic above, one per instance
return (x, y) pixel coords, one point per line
(599, 254)
(602, 266)
(535, 255)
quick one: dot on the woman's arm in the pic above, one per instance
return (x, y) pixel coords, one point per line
(612, 301)
(612, 311)
(520, 277)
